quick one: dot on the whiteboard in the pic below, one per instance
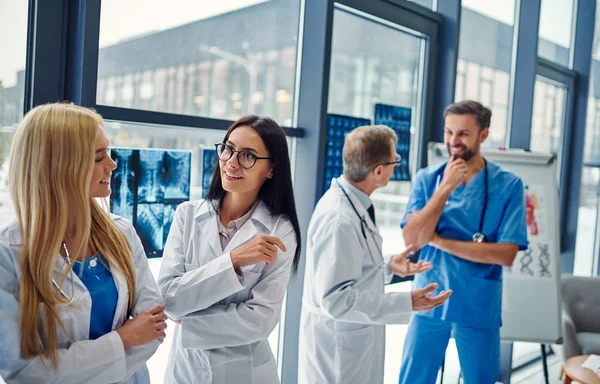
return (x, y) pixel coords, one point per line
(531, 303)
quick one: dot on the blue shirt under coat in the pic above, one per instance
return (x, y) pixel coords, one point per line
(99, 281)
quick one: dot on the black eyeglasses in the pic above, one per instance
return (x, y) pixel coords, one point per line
(245, 158)
(395, 162)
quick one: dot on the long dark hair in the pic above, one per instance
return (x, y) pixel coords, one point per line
(277, 192)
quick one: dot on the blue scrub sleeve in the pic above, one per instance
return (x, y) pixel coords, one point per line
(513, 227)
(418, 196)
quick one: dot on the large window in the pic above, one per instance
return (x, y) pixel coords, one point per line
(556, 21)
(13, 45)
(214, 59)
(548, 119)
(587, 247)
(374, 61)
(484, 60)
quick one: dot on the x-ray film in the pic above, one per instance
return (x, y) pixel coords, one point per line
(147, 187)
(151, 187)
(338, 127)
(399, 119)
(177, 175)
(209, 162)
(123, 183)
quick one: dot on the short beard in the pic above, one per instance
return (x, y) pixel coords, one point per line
(466, 156)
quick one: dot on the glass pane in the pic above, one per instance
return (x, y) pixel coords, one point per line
(13, 45)
(142, 136)
(548, 118)
(484, 59)
(587, 220)
(556, 18)
(586, 250)
(203, 58)
(366, 69)
(377, 62)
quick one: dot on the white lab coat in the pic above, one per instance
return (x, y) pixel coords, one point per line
(81, 360)
(344, 307)
(225, 318)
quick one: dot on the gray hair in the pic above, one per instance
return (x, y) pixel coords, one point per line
(365, 148)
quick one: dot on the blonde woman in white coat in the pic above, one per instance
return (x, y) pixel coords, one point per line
(78, 303)
(227, 261)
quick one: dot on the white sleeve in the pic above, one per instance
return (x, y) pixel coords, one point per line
(146, 297)
(185, 292)
(338, 257)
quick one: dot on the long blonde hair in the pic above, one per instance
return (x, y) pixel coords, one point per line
(51, 162)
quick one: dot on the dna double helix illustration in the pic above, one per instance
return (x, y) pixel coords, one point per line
(544, 260)
(526, 261)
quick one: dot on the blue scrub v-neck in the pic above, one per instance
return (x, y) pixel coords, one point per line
(100, 283)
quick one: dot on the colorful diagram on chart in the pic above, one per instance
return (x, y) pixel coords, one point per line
(531, 206)
(536, 261)
(535, 212)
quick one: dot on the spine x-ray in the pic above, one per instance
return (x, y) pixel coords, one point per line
(147, 187)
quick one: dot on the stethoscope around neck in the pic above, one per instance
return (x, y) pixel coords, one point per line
(67, 260)
(363, 224)
(479, 236)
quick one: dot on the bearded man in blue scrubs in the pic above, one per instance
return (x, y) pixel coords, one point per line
(468, 217)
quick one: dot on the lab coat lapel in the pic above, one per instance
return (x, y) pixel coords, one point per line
(209, 228)
(123, 297)
(259, 222)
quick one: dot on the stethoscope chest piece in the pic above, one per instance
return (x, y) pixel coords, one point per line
(478, 237)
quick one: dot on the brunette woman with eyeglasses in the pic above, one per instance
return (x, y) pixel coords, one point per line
(228, 259)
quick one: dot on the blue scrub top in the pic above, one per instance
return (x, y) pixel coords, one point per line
(477, 287)
(99, 281)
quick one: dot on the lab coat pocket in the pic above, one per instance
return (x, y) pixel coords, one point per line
(265, 373)
(353, 348)
(68, 314)
(261, 353)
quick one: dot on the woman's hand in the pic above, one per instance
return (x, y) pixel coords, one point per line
(144, 328)
(261, 248)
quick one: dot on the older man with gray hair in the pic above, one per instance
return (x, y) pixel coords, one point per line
(344, 307)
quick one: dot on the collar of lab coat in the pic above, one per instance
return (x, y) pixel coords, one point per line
(206, 217)
(15, 238)
(362, 212)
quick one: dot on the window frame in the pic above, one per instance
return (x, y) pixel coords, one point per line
(567, 78)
